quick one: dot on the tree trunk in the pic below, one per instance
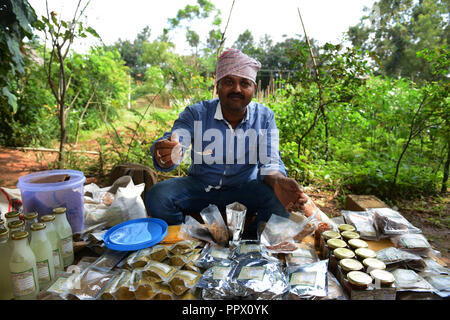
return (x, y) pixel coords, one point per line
(446, 170)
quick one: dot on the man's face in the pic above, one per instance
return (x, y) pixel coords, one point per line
(235, 93)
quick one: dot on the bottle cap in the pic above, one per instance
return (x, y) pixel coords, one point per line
(19, 235)
(47, 218)
(59, 210)
(37, 226)
(30, 215)
(15, 224)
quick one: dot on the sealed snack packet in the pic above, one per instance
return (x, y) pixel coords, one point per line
(390, 222)
(440, 282)
(235, 220)
(363, 222)
(303, 254)
(215, 224)
(215, 282)
(180, 260)
(184, 246)
(89, 284)
(258, 279)
(412, 242)
(183, 280)
(121, 287)
(409, 280)
(308, 281)
(138, 259)
(249, 249)
(397, 258)
(163, 292)
(211, 255)
(157, 272)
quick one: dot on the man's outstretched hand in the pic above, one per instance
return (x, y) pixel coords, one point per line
(168, 151)
(288, 191)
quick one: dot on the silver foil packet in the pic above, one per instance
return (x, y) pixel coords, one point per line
(215, 282)
(235, 213)
(258, 279)
(309, 281)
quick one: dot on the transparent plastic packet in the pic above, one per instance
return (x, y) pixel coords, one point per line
(82, 264)
(335, 290)
(157, 272)
(308, 226)
(412, 242)
(121, 287)
(215, 282)
(308, 282)
(184, 246)
(138, 259)
(89, 284)
(109, 259)
(192, 229)
(59, 289)
(303, 254)
(364, 223)
(215, 224)
(389, 222)
(409, 280)
(180, 260)
(211, 255)
(183, 280)
(235, 213)
(159, 252)
(278, 234)
(258, 279)
(163, 292)
(433, 267)
(192, 294)
(249, 249)
(144, 288)
(397, 258)
(440, 282)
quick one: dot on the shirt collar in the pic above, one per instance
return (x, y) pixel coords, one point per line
(219, 115)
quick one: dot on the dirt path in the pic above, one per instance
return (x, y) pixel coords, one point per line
(15, 163)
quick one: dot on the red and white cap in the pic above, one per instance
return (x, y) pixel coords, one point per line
(234, 62)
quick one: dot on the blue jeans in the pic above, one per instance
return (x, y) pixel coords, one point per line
(170, 199)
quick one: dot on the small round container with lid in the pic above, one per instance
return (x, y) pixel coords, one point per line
(346, 227)
(336, 243)
(348, 265)
(343, 253)
(364, 253)
(359, 280)
(373, 263)
(382, 278)
(347, 235)
(357, 243)
(330, 234)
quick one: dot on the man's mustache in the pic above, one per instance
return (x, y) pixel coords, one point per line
(235, 95)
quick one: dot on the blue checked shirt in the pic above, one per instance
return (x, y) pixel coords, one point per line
(220, 156)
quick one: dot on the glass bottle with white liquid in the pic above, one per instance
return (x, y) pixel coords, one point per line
(6, 290)
(65, 233)
(22, 266)
(29, 218)
(43, 253)
(55, 241)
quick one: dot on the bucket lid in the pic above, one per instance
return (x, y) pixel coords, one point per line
(135, 234)
(26, 182)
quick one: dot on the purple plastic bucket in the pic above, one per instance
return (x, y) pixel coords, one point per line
(44, 197)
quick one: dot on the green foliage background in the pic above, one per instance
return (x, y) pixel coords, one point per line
(370, 118)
